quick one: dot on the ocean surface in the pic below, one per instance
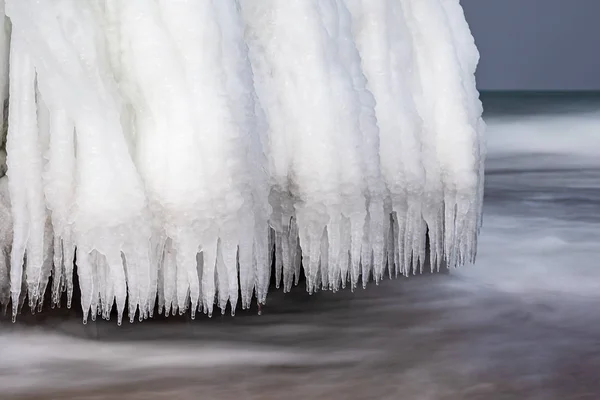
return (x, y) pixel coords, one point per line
(522, 323)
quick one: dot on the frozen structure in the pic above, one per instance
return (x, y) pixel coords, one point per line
(171, 153)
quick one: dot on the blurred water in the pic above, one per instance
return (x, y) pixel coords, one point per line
(520, 324)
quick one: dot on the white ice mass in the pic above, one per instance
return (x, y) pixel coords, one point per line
(173, 152)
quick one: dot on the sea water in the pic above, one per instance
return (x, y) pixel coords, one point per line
(522, 323)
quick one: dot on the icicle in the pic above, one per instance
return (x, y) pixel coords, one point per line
(116, 275)
(5, 39)
(228, 250)
(170, 282)
(86, 282)
(6, 238)
(246, 264)
(209, 256)
(451, 126)
(334, 258)
(59, 181)
(384, 42)
(46, 270)
(25, 174)
(468, 58)
(321, 187)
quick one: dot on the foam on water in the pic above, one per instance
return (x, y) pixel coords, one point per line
(542, 209)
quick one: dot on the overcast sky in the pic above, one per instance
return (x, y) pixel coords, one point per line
(536, 44)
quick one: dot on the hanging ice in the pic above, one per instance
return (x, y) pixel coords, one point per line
(171, 148)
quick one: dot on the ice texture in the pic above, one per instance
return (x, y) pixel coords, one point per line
(174, 152)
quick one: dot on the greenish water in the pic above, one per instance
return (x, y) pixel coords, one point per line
(517, 103)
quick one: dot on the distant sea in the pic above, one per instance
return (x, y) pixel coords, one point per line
(524, 103)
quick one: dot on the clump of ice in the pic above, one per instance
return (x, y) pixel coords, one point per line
(171, 148)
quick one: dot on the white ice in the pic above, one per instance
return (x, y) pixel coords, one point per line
(172, 148)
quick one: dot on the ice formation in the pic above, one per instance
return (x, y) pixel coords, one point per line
(172, 152)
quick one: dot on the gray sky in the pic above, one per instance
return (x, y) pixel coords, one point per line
(536, 44)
